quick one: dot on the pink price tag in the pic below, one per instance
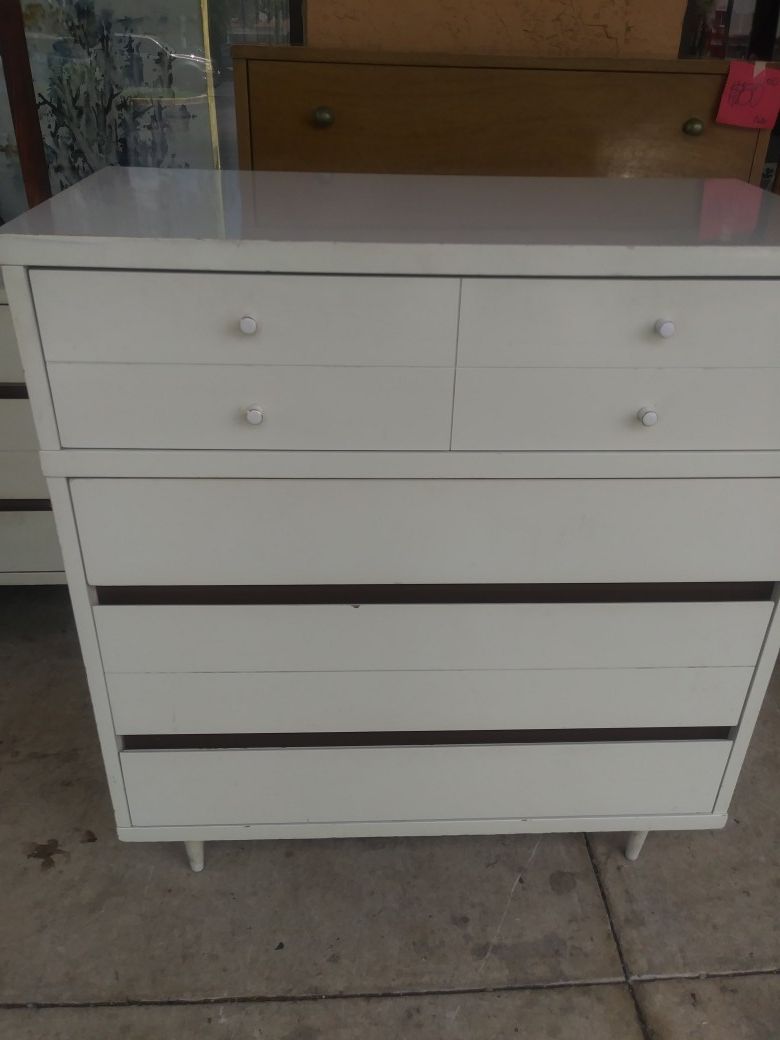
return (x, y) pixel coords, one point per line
(751, 96)
(726, 215)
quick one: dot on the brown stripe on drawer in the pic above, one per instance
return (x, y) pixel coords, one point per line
(13, 391)
(197, 741)
(657, 592)
(25, 505)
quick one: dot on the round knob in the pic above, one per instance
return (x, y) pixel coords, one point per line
(647, 416)
(665, 328)
(248, 325)
(323, 117)
(254, 414)
(694, 126)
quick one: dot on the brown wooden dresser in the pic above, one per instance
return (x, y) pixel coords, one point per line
(348, 111)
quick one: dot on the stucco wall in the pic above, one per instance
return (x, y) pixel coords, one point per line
(594, 28)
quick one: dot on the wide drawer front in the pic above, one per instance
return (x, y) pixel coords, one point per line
(243, 532)
(321, 785)
(428, 636)
(618, 322)
(300, 320)
(408, 701)
(251, 407)
(334, 668)
(527, 409)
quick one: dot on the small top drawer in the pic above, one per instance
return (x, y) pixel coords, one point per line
(245, 319)
(633, 323)
(617, 409)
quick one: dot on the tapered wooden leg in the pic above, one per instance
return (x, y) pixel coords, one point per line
(195, 854)
(634, 844)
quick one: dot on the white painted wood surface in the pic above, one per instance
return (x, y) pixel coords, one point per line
(386, 408)
(545, 409)
(29, 553)
(10, 362)
(395, 828)
(301, 320)
(32, 578)
(360, 465)
(164, 493)
(195, 855)
(17, 287)
(319, 785)
(610, 323)
(635, 842)
(360, 701)
(401, 225)
(196, 532)
(20, 471)
(204, 406)
(442, 666)
(17, 430)
(454, 636)
(20, 475)
(28, 542)
(752, 706)
(82, 598)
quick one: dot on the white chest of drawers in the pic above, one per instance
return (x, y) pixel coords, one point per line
(397, 505)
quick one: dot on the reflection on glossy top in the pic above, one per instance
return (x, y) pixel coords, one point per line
(400, 224)
(294, 207)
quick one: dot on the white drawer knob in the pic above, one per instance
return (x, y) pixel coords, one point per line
(248, 325)
(665, 328)
(647, 416)
(254, 414)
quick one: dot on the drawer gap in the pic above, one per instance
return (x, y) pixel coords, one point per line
(203, 741)
(25, 505)
(13, 392)
(640, 592)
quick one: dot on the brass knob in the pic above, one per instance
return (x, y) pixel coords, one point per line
(693, 127)
(323, 117)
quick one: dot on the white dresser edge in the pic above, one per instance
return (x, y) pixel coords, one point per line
(410, 828)
(454, 259)
(100, 462)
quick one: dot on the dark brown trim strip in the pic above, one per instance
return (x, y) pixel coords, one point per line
(425, 738)
(351, 56)
(658, 592)
(13, 392)
(25, 505)
(764, 32)
(297, 30)
(243, 118)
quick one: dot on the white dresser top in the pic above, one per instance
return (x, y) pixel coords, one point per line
(369, 223)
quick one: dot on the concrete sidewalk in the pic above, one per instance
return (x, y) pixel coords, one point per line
(473, 938)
